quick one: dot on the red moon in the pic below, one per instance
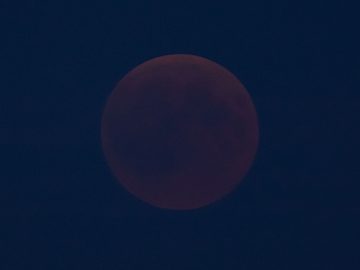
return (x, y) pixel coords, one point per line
(179, 131)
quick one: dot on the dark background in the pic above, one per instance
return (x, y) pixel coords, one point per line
(61, 208)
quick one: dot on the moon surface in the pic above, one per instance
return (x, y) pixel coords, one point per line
(179, 131)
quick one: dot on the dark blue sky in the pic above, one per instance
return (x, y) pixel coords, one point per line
(60, 206)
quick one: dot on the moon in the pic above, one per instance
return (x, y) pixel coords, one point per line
(179, 132)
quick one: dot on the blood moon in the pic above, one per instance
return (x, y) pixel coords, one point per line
(179, 131)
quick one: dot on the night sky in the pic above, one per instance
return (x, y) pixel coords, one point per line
(60, 206)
